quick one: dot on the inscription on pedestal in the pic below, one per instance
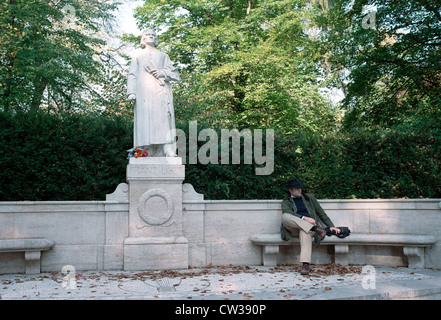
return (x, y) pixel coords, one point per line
(137, 172)
(153, 170)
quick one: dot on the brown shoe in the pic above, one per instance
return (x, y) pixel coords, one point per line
(305, 269)
(321, 232)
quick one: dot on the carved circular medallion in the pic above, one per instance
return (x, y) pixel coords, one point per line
(155, 207)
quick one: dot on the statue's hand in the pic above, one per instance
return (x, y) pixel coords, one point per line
(158, 74)
(131, 97)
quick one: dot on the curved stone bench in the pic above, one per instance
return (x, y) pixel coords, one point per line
(413, 245)
(32, 249)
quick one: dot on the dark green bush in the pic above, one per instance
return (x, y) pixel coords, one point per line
(404, 162)
(83, 157)
(383, 163)
(72, 157)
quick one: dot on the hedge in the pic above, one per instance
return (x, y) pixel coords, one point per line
(52, 157)
(83, 157)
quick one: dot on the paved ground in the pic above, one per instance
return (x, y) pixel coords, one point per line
(227, 283)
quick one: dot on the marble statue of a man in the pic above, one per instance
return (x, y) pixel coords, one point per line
(149, 85)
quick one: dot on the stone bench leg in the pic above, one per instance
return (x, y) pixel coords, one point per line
(269, 255)
(415, 257)
(32, 259)
(342, 254)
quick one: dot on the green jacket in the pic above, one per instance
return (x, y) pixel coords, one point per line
(314, 209)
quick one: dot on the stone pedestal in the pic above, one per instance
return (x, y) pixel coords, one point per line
(156, 238)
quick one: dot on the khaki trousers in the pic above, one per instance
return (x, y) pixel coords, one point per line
(294, 225)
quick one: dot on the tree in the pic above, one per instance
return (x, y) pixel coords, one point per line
(243, 63)
(387, 59)
(49, 53)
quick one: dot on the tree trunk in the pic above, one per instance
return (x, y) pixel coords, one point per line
(39, 87)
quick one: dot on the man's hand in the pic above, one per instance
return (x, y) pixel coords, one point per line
(309, 219)
(337, 230)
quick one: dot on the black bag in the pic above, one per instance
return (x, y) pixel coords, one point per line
(345, 232)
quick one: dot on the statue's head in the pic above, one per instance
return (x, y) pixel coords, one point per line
(149, 37)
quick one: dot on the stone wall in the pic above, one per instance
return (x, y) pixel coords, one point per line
(90, 235)
(87, 234)
(218, 232)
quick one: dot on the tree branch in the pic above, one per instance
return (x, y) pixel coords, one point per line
(431, 8)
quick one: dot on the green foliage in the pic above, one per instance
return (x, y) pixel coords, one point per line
(50, 53)
(403, 162)
(390, 72)
(399, 163)
(65, 157)
(83, 157)
(244, 63)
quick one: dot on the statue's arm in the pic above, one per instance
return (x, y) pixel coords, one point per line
(131, 80)
(170, 73)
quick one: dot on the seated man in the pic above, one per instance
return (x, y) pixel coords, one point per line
(301, 211)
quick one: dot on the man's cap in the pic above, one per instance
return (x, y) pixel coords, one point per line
(294, 184)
